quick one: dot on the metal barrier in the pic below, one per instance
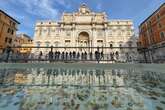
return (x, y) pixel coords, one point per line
(70, 54)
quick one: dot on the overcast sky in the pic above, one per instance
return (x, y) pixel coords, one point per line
(27, 12)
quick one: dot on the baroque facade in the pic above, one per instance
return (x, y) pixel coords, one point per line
(84, 28)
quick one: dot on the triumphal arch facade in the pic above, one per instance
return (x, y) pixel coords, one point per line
(84, 28)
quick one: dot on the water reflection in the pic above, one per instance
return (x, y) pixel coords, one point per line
(71, 77)
(80, 89)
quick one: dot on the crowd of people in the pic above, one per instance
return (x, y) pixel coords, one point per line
(67, 56)
(57, 55)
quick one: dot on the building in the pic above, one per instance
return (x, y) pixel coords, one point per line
(152, 36)
(85, 28)
(16, 42)
(22, 40)
(25, 41)
(8, 28)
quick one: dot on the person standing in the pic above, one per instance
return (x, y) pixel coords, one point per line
(85, 55)
(40, 55)
(117, 55)
(62, 56)
(70, 55)
(82, 56)
(91, 55)
(7, 51)
(97, 55)
(59, 55)
(66, 56)
(78, 56)
(102, 55)
(74, 55)
(50, 56)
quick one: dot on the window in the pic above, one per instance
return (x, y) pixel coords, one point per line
(43, 31)
(10, 22)
(38, 44)
(120, 45)
(158, 16)
(47, 44)
(8, 31)
(6, 39)
(111, 45)
(149, 23)
(56, 44)
(129, 44)
(152, 39)
(57, 31)
(14, 24)
(162, 35)
(114, 31)
(48, 31)
(12, 32)
(99, 42)
(110, 33)
(119, 33)
(129, 33)
(159, 25)
(68, 33)
(67, 42)
(10, 40)
(150, 31)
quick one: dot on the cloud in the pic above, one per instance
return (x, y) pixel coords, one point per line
(64, 3)
(42, 8)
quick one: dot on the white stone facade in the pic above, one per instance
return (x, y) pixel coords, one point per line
(84, 28)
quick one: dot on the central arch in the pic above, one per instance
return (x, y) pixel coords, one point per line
(83, 40)
(83, 36)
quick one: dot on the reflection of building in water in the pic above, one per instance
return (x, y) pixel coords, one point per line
(92, 77)
(7, 76)
(76, 77)
(20, 78)
(85, 28)
(13, 76)
(118, 96)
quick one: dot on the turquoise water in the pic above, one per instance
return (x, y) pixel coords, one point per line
(24, 87)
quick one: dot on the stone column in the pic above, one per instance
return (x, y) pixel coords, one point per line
(94, 40)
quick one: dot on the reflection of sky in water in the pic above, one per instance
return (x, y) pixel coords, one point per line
(77, 89)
